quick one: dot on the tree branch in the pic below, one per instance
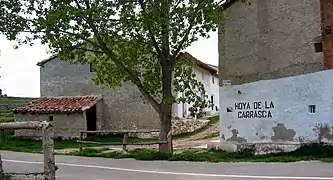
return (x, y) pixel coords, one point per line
(225, 5)
(113, 57)
(150, 32)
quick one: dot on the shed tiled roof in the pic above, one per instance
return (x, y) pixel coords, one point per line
(61, 104)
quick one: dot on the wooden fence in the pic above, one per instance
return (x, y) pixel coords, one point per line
(125, 141)
(48, 145)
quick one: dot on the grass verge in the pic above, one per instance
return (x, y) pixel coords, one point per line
(214, 120)
(305, 153)
(34, 146)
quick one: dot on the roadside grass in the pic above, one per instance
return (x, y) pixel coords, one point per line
(305, 153)
(35, 146)
(214, 120)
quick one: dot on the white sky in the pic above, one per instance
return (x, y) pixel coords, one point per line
(20, 74)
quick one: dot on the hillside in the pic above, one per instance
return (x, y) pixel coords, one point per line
(8, 103)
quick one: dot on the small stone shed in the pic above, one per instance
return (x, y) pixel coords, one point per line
(69, 114)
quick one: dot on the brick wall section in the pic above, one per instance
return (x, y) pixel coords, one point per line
(123, 107)
(327, 31)
(269, 39)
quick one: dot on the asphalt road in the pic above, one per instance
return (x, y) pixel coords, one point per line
(81, 168)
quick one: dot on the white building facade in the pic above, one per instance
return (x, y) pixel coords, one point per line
(207, 75)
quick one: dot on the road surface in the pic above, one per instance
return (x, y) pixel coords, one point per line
(82, 168)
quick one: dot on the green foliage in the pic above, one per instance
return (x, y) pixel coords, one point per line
(124, 40)
(185, 82)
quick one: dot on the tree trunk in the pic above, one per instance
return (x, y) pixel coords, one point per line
(166, 108)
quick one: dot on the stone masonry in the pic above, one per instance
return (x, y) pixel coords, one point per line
(270, 39)
(123, 106)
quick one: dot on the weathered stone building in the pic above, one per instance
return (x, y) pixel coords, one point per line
(123, 107)
(274, 82)
(69, 115)
(65, 88)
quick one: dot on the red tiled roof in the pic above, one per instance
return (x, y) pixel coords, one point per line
(62, 104)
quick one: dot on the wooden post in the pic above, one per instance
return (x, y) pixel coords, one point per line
(48, 147)
(169, 139)
(2, 175)
(125, 141)
(81, 142)
(2, 135)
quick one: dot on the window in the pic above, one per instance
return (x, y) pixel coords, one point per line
(312, 109)
(318, 47)
(50, 118)
(212, 101)
(91, 68)
(213, 80)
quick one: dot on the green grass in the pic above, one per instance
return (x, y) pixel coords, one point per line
(6, 119)
(21, 145)
(6, 178)
(6, 114)
(305, 153)
(214, 120)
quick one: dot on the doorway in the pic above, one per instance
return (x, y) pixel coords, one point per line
(91, 120)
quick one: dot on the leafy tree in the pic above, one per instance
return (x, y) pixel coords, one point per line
(126, 40)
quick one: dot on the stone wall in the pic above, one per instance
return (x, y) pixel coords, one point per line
(65, 126)
(181, 126)
(269, 39)
(123, 106)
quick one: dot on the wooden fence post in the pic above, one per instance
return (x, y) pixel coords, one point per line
(81, 142)
(169, 140)
(2, 175)
(125, 141)
(48, 147)
(2, 135)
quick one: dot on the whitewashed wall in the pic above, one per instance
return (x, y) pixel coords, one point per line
(284, 112)
(212, 88)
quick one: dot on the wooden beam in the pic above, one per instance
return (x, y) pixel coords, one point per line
(21, 125)
(124, 131)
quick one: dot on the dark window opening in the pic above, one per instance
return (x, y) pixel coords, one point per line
(91, 120)
(312, 109)
(50, 118)
(213, 80)
(212, 101)
(318, 47)
(91, 68)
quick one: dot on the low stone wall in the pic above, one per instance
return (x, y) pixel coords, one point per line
(180, 126)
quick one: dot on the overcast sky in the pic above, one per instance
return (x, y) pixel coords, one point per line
(20, 74)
